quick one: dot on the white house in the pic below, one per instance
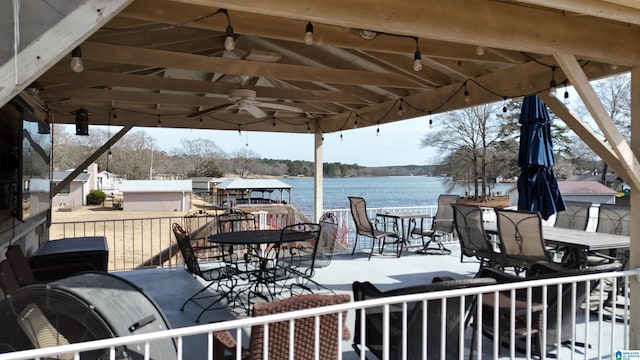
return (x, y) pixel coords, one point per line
(75, 193)
(156, 195)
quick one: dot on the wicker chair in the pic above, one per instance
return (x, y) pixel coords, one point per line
(373, 323)
(473, 239)
(364, 227)
(279, 346)
(441, 224)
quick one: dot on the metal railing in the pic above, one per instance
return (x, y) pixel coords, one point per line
(587, 324)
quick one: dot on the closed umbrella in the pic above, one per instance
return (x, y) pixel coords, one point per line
(537, 185)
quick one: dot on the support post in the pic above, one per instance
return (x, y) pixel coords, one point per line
(634, 226)
(317, 177)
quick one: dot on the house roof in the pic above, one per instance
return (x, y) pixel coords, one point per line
(156, 186)
(253, 184)
(60, 175)
(569, 187)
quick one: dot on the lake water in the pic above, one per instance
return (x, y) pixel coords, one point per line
(388, 191)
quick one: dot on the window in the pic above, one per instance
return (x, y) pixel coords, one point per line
(65, 190)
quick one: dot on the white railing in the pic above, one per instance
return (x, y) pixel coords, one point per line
(602, 337)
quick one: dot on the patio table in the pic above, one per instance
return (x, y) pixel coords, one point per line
(400, 228)
(260, 244)
(577, 242)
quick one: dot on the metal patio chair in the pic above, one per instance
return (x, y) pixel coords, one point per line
(213, 273)
(575, 216)
(441, 225)
(521, 240)
(364, 227)
(474, 242)
(278, 339)
(308, 259)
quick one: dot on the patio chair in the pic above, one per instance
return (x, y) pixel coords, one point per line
(213, 273)
(441, 224)
(308, 259)
(199, 224)
(370, 331)
(521, 240)
(560, 312)
(279, 338)
(289, 264)
(575, 216)
(364, 227)
(474, 242)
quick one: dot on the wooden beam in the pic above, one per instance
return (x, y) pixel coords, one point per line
(257, 24)
(80, 168)
(492, 24)
(97, 78)
(168, 59)
(628, 161)
(38, 56)
(623, 11)
(585, 133)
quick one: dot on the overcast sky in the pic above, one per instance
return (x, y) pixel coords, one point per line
(397, 144)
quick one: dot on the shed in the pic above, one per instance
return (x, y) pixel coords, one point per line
(156, 195)
(75, 193)
(252, 191)
(574, 190)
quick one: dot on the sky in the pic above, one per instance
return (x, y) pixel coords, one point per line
(397, 143)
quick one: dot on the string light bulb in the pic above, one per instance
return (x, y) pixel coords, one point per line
(341, 138)
(552, 83)
(467, 97)
(159, 121)
(308, 34)
(480, 50)
(417, 58)
(77, 65)
(430, 120)
(355, 123)
(504, 105)
(229, 42)
(378, 130)
(400, 108)
(308, 127)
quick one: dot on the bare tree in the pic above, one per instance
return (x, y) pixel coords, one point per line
(197, 158)
(467, 136)
(615, 94)
(243, 161)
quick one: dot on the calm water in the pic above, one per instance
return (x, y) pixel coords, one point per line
(378, 191)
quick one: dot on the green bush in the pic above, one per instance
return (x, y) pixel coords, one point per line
(96, 197)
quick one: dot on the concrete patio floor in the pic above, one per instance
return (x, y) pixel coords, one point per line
(170, 287)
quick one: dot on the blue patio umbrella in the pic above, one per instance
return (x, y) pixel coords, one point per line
(537, 185)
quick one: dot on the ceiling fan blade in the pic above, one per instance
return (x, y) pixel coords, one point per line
(256, 112)
(208, 110)
(278, 106)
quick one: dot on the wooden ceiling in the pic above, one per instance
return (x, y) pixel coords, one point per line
(165, 61)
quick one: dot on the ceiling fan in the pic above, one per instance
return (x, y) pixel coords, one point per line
(245, 99)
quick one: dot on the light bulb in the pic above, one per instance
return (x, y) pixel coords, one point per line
(378, 132)
(400, 109)
(613, 67)
(417, 59)
(308, 35)
(229, 43)
(552, 91)
(467, 97)
(417, 65)
(430, 123)
(480, 50)
(76, 60)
